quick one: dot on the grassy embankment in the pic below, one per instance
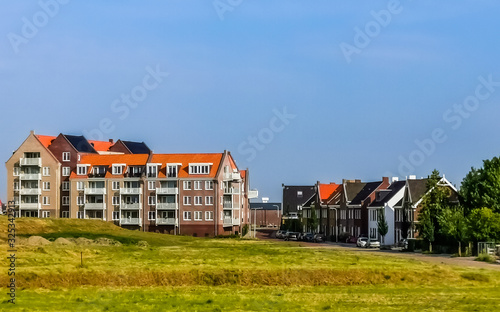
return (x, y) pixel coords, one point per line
(187, 273)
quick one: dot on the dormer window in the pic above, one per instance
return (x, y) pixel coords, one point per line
(199, 168)
(171, 171)
(117, 169)
(81, 169)
(153, 170)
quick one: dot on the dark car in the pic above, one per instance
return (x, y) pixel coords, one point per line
(308, 237)
(280, 234)
(291, 236)
(319, 238)
(351, 240)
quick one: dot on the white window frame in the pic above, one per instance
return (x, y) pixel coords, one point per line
(16, 171)
(151, 200)
(198, 200)
(209, 185)
(45, 214)
(80, 215)
(209, 215)
(65, 214)
(198, 185)
(65, 185)
(81, 170)
(209, 200)
(115, 216)
(186, 200)
(80, 200)
(65, 200)
(80, 186)
(66, 171)
(201, 169)
(198, 216)
(186, 185)
(115, 185)
(152, 169)
(117, 169)
(115, 200)
(151, 215)
(46, 186)
(174, 170)
(151, 185)
(186, 215)
(46, 171)
(16, 186)
(66, 156)
(46, 200)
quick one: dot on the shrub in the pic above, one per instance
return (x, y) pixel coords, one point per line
(486, 258)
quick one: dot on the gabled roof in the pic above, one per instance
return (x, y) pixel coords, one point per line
(417, 188)
(101, 146)
(46, 140)
(137, 147)
(352, 189)
(390, 192)
(80, 143)
(367, 189)
(185, 160)
(326, 190)
(109, 160)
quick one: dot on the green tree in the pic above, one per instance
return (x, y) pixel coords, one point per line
(484, 225)
(453, 223)
(383, 227)
(426, 227)
(312, 222)
(481, 187)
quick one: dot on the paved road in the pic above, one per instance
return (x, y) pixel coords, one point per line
(441, 259)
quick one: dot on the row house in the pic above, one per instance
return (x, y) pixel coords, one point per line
(125, 183)
(323, 205)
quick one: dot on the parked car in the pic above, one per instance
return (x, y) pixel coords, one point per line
(361, 241)
(319, 238)
(291, 236)
(373, 244)
(280, 234)
(308, 237)
(351, 239)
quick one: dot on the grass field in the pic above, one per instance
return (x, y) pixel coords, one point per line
(199, 274)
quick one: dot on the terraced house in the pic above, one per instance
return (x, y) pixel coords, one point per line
(126, 183)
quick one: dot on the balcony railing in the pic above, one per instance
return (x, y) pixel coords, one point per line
(228, 205)
(166, 221)
(134, 206)
(232, 176)
(95, 191)
(95, 206)
(30, 162)
(30, 176)
(130, 221)
(167, 190)
(231, 190)
(131, 190)
(167, 205)
(30, 191)
(30, 206)
(228, 221)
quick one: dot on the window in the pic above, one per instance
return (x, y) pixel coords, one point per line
(198, 200)
(115, 185)
(187, 200)
(66, 171)
(82, 170)
(116, 200)
(65, 200)
(152, 200)
(209, 200)
(65, 186)
(116, 215)
(80, 201)
(197, 185)
(209, 215)
(16, 186)
(16, 171)
(151, 185)
(199, 168)
(79, 157)
(117, 169)
(66, 156)
(209, 185)
(357, 214)
(151, 215)
(198, 216)
(172, 171)
(187, 185)
(65, 214)
(152, 171)
(299, 194)
(187, 215)
(46, 186)
(80, 215)
(79, 186)
(46, 200)
(45, 214)
(46, 171)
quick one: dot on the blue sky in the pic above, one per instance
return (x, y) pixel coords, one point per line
(228, 76)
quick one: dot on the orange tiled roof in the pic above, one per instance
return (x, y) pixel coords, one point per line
(109, 160)
(101, 146)
(326, 190)
(46, 140)
(185, 160)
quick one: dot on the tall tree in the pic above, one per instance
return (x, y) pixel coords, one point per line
(481, 187)
(383, 227)
(484, 225)
(426, 227)
(454, 224)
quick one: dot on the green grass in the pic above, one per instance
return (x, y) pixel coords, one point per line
(201, 274)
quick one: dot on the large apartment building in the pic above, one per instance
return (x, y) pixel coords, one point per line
(127, 184)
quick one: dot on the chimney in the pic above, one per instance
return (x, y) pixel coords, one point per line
(385, 180)
(357, 181)
(111, 141)
(32, 132)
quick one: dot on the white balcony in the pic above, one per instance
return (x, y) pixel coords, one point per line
(30, 191)
(131, 191)
(95, 191)
(232, 176)
(231, 191)
(166, 221)
(134, 206)
(130, 221)
(167, 191)
(228, 205)
(30, 162)
(95, 206)
(253, 194)
(167, 205)
(30, 206)
(30, 176)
